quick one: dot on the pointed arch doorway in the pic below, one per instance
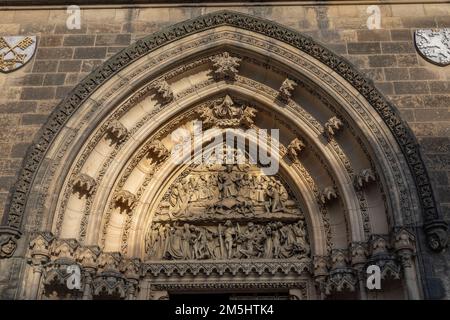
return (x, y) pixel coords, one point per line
(349, 189)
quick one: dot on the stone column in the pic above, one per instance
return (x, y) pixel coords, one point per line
(40, 255)
(404, 244)
(320, 274)
(359, 258)
(87, 291)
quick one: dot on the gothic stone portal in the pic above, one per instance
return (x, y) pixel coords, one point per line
(141, 226)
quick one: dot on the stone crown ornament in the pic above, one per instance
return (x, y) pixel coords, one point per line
(434, 45)
(16, 51)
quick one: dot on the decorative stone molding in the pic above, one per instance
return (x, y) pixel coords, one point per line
(64, 249)
(221, 268)
(286, 89)
(364, 178)
(294, 148)
(225, 66)
(434, 45)
(125, 200)
(117, 131)
(164, 91)
(84, 185)
(40, 247)
(327, 194)
(381, 256)
(332, 126)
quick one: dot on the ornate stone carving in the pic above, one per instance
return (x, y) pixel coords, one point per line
(8, 241)
(164, 91)
(168, 268)
(275, 240)
(87, 256)
(225, 66)
(117, 131)
(433, 223)
(364, 178)
(220, 192)
(109, 261)
(16, 51)
(359, 253)
(84, 185)
(64, 248)
(225, 113)
(332, 126)
(327, 194)
(294, 149)
(434, 45)
(286, 89)
(157, 151)
(125, 200)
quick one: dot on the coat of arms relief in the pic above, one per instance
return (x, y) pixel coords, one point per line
(16, 51)
(434, 45)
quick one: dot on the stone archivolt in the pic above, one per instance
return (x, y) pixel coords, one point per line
(189, 219)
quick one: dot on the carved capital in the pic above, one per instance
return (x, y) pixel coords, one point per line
(358, 252)
(320, 266)
(40, 247)
(339, 259)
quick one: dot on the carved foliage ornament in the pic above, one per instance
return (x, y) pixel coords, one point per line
(226, 113)
(434, 45)
(15, 52)
(225, 66)
(434, 225)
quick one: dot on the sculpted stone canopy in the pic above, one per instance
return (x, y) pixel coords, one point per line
(109, 198)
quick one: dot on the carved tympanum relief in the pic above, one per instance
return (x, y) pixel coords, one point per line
(227, 211)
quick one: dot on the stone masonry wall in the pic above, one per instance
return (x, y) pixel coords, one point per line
(419, 89)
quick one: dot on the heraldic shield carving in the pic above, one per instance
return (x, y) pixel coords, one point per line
(16, 51)
(434, 45)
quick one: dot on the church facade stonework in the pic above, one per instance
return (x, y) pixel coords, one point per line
(312, 154)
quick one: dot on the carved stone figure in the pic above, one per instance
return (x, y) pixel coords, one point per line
(332, 126)
(164, 91)
(83, 184)
(327, 194)
(125, 200)
(286, 89)
(364, 178)
(7, 248)
(294, 149)
(117, 131)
